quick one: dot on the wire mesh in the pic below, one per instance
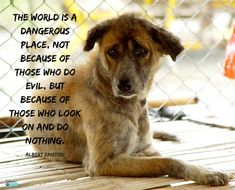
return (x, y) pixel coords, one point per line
(204, 26)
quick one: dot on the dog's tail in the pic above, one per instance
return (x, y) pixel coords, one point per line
(165, 136)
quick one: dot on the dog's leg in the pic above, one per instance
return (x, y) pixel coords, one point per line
(110, 144)
(125, 165)
(108, 157)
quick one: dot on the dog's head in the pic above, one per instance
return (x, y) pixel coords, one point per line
(129, 51)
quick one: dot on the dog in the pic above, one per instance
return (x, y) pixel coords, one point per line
(112, 136)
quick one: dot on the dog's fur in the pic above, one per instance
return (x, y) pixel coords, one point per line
(112, 136)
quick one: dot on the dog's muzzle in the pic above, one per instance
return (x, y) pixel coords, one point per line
(125, 89)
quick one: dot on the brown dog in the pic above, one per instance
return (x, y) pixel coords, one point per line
(112, 136)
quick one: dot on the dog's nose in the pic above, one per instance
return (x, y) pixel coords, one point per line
(124, 85)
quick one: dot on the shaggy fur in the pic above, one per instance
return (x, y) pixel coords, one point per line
(112, 136)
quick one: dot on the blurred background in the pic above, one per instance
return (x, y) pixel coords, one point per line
(204, 27)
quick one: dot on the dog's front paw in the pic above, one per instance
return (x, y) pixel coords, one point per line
(215, 178)
(207, 176)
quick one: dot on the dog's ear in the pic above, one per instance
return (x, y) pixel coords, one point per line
(169, 43)
(95, 34)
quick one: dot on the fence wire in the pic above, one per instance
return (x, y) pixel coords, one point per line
(204, 27)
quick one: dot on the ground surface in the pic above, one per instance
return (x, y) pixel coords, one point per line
(210, 146)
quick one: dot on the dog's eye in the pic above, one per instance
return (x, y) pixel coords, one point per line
(140, 51)
(112, 52)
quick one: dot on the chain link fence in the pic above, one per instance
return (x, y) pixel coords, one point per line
(204, 26)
